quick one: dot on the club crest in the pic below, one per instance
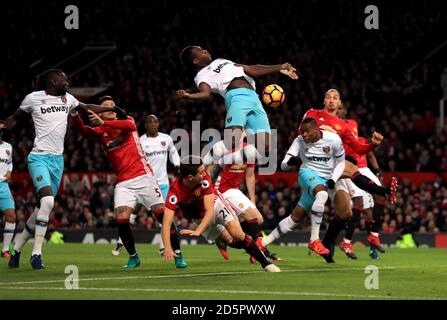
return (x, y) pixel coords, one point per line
(326, 149)
(163, 143)
(64, 99)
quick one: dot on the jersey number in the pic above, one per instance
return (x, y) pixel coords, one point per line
(222, 212)
(157, 191)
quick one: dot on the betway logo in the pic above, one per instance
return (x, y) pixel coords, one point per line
(319, 159)
(155, 153)
(7, 161)
(54, 109)
(220, 66)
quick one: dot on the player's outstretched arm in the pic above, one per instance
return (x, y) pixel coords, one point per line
(259, 70)
(168, 218)
(12, 120)
(203, 94)
(94, 107)
(209, 213)
(358, 147)
(291, 158)
(375, 168)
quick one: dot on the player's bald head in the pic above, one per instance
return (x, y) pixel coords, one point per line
(332, 91)
(151, 117)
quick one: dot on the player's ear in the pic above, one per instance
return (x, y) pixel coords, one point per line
(196, 61)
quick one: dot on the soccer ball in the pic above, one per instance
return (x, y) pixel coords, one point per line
(273, 95)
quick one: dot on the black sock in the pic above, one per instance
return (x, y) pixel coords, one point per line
(365, 183)
(335, 226)
(378, 212)
(251, 227)
(351, 223)
(126, 236)
(250, 246)
(175, 242)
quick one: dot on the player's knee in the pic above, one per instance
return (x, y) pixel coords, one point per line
(47, 203)
(10, 216)
(45, 192)
(320, 200)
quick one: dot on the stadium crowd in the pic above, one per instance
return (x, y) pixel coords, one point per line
(368, 67)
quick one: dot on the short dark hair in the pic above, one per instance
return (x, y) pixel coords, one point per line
(189, 167)
(105, 98)
(186, 56)
(309, 120)
(47, 76)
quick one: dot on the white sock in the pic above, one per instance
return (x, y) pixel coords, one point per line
(120, 241)
(315, 218)
(8, 233)
(375, 234)
(346, 240)
(43, 216)
(285, 226)
(317, 214)
(23, 237)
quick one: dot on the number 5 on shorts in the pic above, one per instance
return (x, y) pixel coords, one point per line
(157, 191)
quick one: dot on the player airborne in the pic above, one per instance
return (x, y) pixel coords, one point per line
(327, 119)
(194, 193)
(49, 110)
(323, 161)
(235, 83)
(135, 180)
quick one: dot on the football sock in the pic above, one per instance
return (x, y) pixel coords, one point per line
(253, 250)
(335, 226)
(252, 228)
(8, 233)
(126, 236)
(315, 218)
(378, 212)
(317, 214)
(365, 183)
(350, 224)
(286, 225)
(28, 231)
(43, 216)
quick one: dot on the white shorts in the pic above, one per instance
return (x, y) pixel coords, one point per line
(340, 185)
(238, 201)
(143, 189)
(367, 172)
(368, 201)
(223, 214)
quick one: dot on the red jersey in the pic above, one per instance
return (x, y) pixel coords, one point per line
(362, 162)
(231, 176)
(121, 142)
(189, 200)
(339, 125)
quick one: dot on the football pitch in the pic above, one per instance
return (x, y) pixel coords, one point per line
(402, 274)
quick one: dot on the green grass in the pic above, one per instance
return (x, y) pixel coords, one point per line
(403, 274)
